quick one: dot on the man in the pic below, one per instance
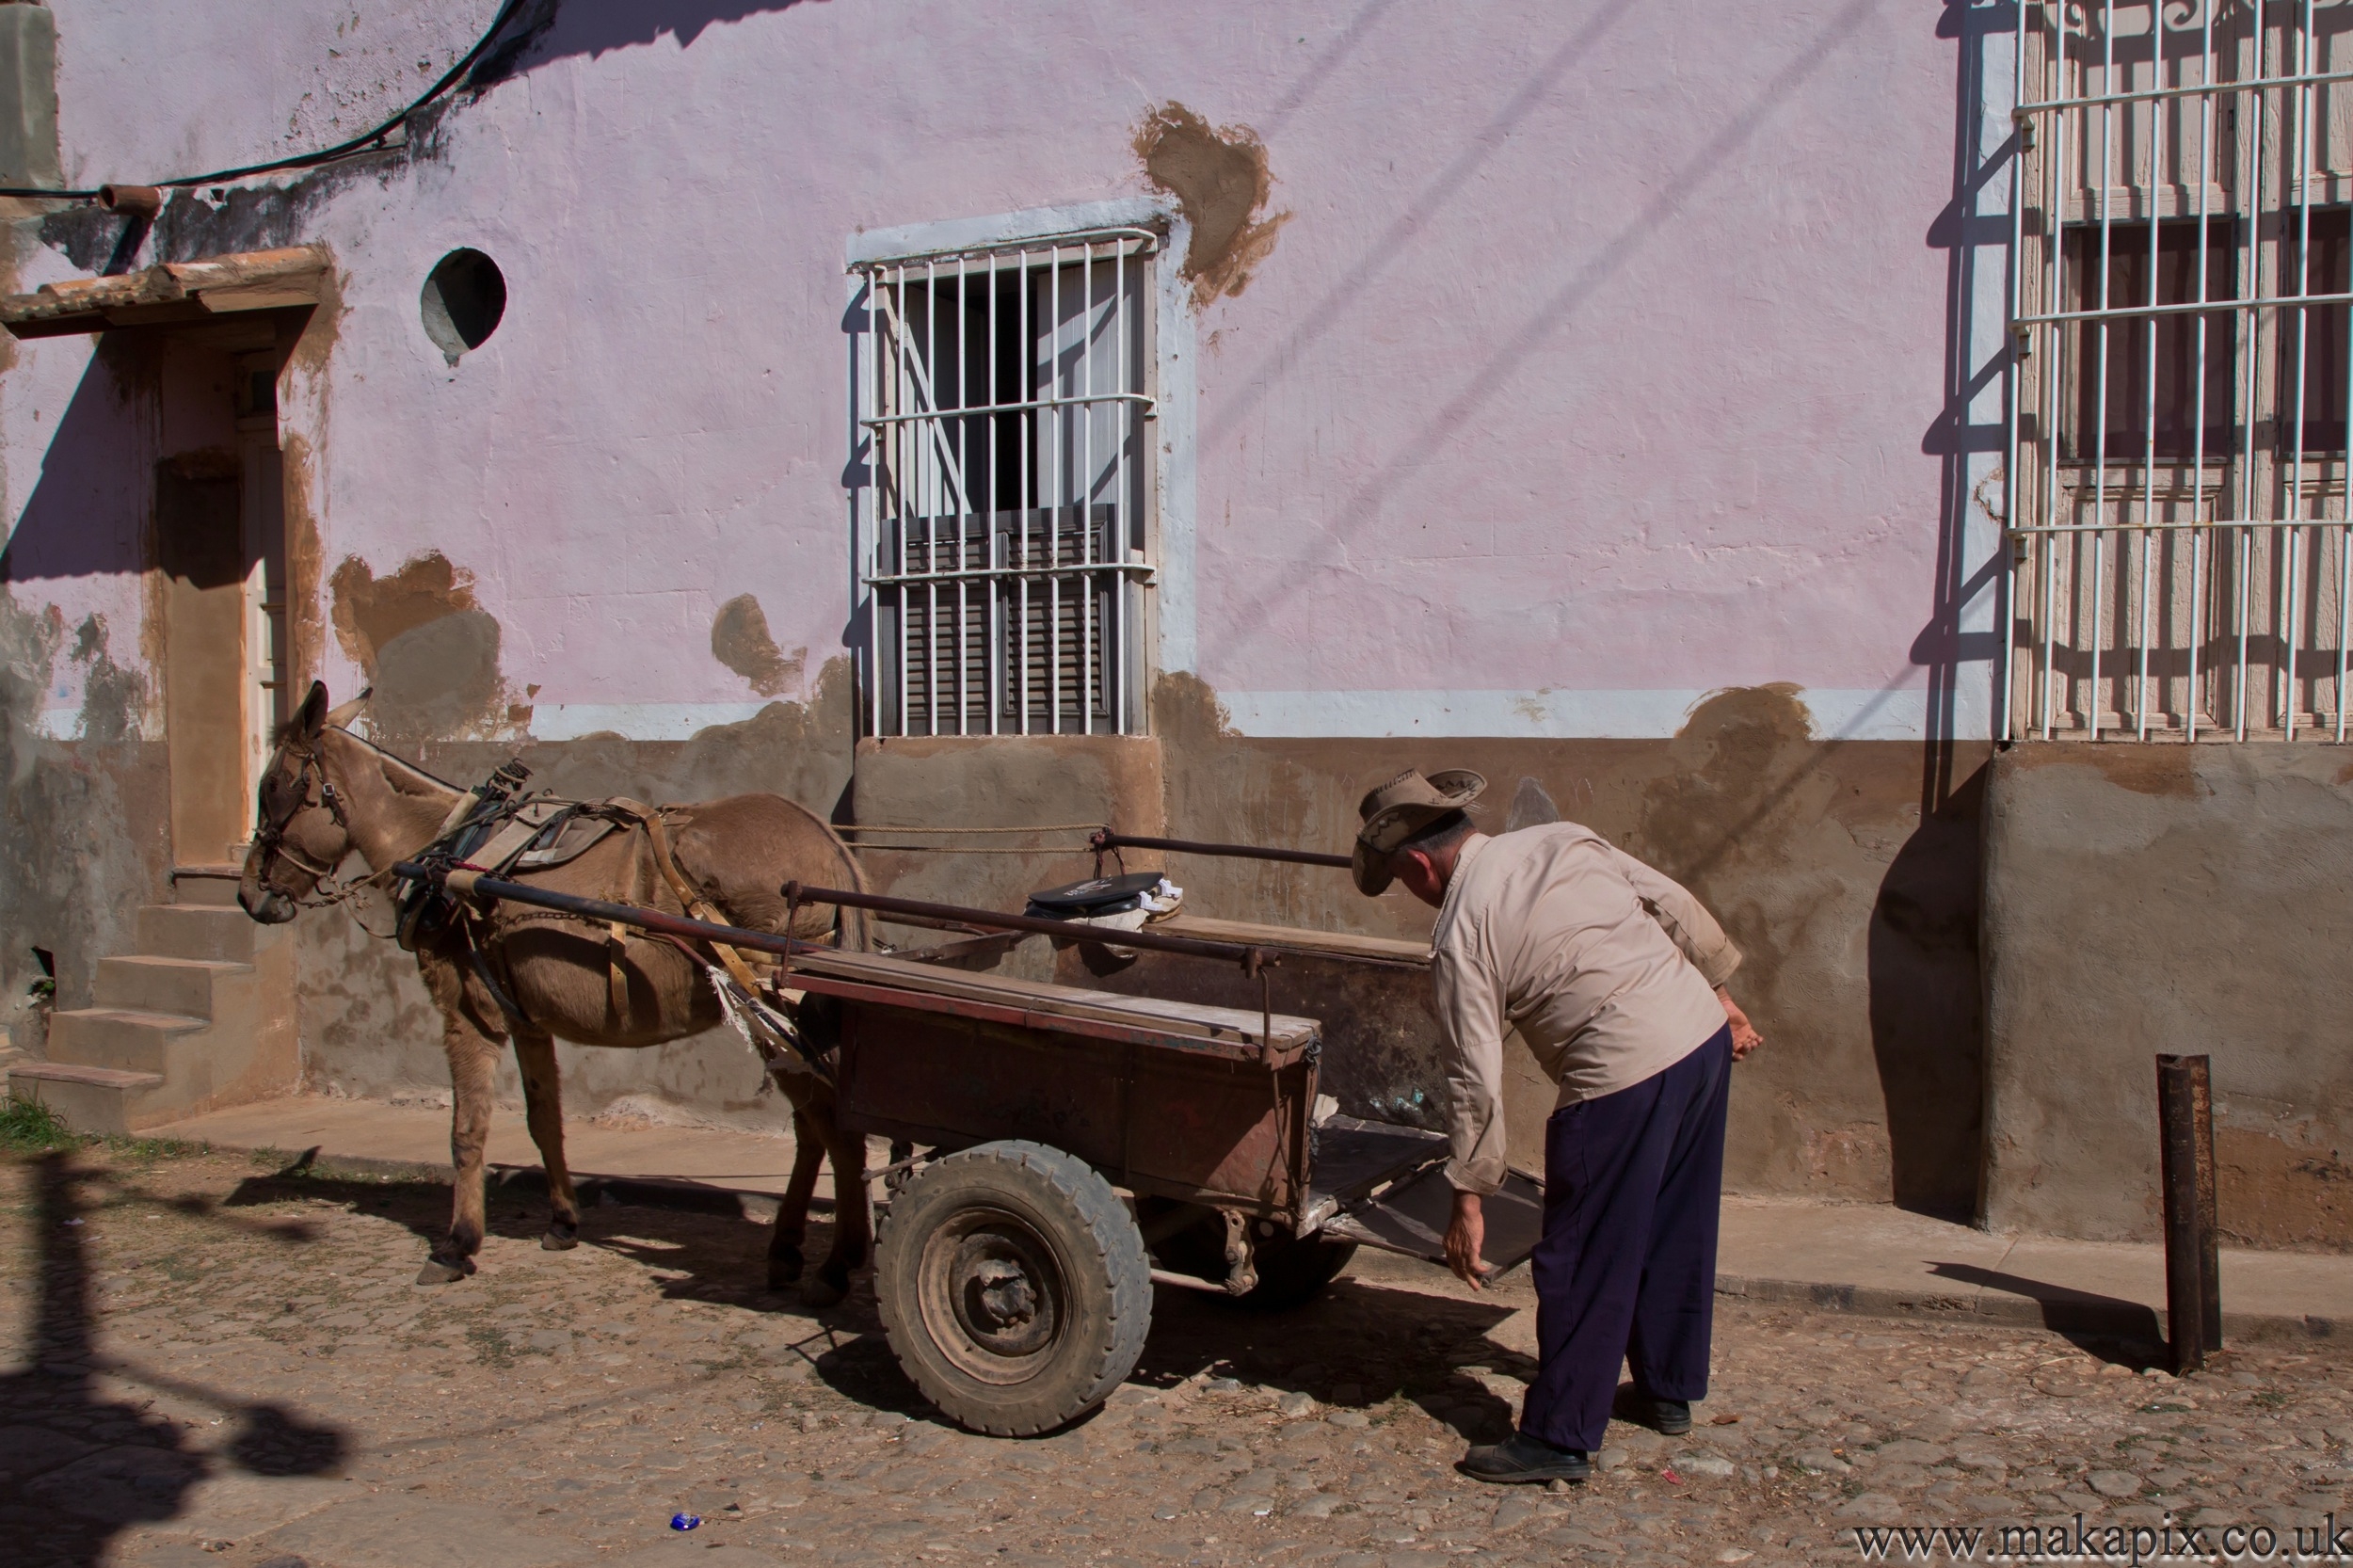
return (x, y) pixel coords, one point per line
(1614, 975)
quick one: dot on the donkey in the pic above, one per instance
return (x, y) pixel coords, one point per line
(328, 793)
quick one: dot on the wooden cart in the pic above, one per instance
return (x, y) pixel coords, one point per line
(1070, 1140)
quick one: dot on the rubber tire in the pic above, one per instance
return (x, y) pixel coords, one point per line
(1107, 1295)
(1293, 1270)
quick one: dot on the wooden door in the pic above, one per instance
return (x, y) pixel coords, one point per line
(200, 549)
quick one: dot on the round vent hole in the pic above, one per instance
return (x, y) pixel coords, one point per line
(464, 296)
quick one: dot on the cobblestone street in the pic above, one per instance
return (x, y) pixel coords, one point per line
(209, 1363)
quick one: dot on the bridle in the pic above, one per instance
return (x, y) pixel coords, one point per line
(314, 789)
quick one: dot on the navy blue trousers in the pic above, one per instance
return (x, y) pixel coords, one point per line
(1626, 1270)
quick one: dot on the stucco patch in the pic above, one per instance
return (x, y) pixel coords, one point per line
(370, 611)
(1219, 177)
(739, 640)
(1744, 752)
(305, 564)
(1531, 806)
(430, 649)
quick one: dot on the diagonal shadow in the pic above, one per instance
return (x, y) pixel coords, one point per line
(2088, 1319)
(77, 1468)
(1678, 189)
(1328, 62)
(1271, 374)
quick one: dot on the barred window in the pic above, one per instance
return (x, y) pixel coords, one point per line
(2149, 384)
(2176, 480)
(1001, 396)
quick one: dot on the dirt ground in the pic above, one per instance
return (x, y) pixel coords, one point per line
(207, 1361)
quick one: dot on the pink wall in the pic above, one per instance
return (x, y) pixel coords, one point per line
(1597, 354)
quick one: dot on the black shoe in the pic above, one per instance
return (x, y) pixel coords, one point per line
(1672, 1418)
(1522, 1460)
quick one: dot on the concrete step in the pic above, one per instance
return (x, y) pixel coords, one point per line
(222, 933)
(87, 1099)
(209, 887)
(123, 1039)
(143, 982)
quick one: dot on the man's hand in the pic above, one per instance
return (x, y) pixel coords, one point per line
(1464, 1236)
(1744, 1035)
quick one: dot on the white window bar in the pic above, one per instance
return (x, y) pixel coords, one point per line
(2175, 477)
(1001, 396)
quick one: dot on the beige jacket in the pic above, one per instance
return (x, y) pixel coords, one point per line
(1605, 968)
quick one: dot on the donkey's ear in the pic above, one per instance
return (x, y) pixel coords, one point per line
(342, 717)
(312, 716)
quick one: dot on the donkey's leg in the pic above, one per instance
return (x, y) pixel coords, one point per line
(543, 1109)
(784, 1244)
(852, 1222)
(472, 1062)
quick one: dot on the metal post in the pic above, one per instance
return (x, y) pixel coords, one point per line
(2193, 1285)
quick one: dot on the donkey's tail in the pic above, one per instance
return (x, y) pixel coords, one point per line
(856, 929)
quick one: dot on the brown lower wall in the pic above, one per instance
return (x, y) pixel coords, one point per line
(1857, 910)
(2169, 899)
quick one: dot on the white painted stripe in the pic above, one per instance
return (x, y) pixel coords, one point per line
(971, 233)
(1887, 713)
(635, 721)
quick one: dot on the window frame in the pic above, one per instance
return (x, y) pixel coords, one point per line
(897, 521)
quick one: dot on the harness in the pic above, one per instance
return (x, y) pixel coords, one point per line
(504, 833)
(498, 829)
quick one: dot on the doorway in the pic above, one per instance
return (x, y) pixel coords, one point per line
(220, 557)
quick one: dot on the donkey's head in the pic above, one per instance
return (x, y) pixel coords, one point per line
(302, 832)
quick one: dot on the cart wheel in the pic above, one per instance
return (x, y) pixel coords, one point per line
(1014, 1286)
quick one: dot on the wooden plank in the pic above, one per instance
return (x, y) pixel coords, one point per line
(1183, 1018)
(1339, 944)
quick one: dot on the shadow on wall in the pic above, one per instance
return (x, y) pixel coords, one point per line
(82, 519)
(1927, 1024)
(550, 30)
(1977, 247)
(1773, 829)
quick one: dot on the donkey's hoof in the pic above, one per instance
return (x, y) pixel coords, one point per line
(830, 1288)
(560, 1238)
(438, 1271)
(784, 1268)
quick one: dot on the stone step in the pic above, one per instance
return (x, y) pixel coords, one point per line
(86, 1098)
(122, 1039)
(224, 935)
(145, 982)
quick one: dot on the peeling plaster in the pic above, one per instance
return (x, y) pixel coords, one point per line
(739, 640)
(427, 648)
(1220, 178)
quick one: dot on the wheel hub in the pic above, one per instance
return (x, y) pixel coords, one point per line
(993, 1296)
(1004, 1299)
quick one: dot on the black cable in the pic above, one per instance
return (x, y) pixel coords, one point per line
(363, 143)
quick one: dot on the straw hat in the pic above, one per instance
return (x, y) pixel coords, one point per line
(1401, 808)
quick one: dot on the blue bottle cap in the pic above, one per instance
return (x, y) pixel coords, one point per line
(685, 1521)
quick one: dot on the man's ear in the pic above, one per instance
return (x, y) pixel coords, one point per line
(312, 716)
